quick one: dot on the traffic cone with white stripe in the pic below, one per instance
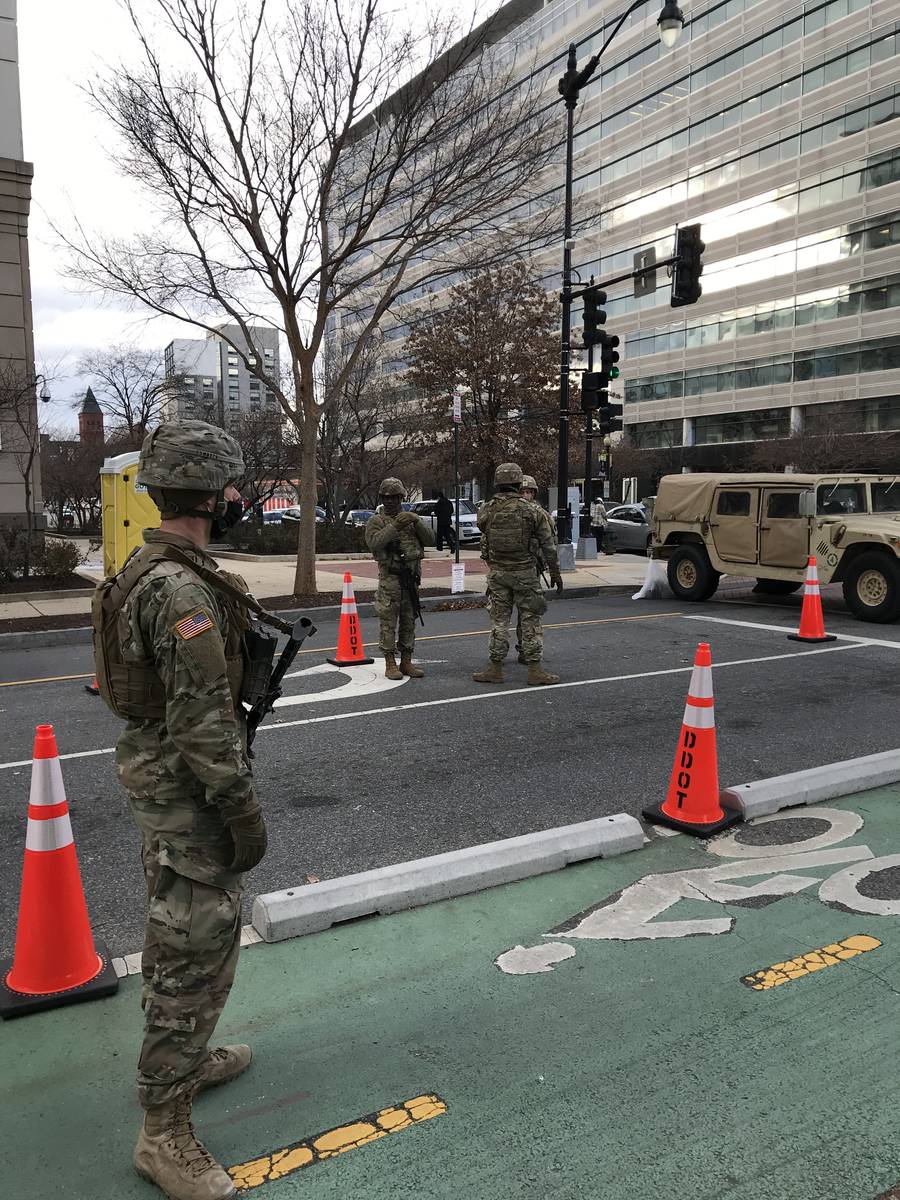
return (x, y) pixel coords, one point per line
(350, 652)
(56, 960)
(812, 623)
(692, 804)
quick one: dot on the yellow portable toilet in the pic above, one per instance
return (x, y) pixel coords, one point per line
(126, 510)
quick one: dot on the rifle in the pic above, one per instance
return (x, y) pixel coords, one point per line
(261, 650)
(408, 583)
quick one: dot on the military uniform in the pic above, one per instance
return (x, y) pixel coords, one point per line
(168, 637)
(397, 542)
(516, 537)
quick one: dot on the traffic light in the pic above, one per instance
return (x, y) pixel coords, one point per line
(594, 315)
(592, 384)
(609, 416)
(609, 355)
(688, 266)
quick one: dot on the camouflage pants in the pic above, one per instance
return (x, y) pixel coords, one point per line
(188, 964)
(396, 621)
(522, 590)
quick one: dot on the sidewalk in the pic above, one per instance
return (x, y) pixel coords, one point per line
(277, 579)
(708, 1022)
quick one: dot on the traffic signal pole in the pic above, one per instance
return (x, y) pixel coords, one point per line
(563, 514)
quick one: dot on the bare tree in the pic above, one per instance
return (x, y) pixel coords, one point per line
(70, 478)
(21, 436)
(306, 170)
(271, 454)
(370, 429)
(129, 386)
(496, 340)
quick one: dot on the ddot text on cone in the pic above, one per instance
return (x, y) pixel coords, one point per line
(692, 802)
(350, 650)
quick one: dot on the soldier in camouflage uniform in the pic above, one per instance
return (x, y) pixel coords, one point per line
(170, 657)
(528, 490)
(397, 539)
(516, 537)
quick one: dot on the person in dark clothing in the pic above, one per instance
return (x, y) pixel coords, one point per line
(443, 519)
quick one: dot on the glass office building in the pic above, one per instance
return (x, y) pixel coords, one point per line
(776, 125)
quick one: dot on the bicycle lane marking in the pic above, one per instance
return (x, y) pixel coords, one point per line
(632, 914)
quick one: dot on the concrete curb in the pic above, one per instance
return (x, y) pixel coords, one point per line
(312, 908)
(41, 638)
(316, 907)
(768, 796)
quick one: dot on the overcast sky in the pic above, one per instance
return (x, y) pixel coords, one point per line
(62, 46)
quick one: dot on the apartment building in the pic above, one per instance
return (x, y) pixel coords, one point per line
(774, 123)
(210, 381)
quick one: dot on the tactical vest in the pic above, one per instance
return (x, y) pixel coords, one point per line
(134, 690)
(509, 531)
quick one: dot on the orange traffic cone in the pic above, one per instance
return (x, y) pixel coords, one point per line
(692, 804)
(812, 623)
(56, 960)
(350, 652)
(91, 688)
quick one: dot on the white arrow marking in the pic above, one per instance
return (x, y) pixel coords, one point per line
(363, 681)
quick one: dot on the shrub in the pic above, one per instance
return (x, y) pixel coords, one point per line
(59, 558)
(13, 553)
(250, 538)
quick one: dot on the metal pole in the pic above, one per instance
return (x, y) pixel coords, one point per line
(563, 525)
(588, 442)
(456, 481)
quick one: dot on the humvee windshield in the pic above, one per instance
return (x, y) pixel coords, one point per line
(832, 499)
(886, 496)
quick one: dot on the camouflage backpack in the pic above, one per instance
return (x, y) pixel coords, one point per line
(509, 529)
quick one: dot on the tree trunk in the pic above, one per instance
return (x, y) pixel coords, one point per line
(29, 528)
(305, 574)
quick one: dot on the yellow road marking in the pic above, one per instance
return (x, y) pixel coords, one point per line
(430, 637)
(815, 960)
(286, 1161)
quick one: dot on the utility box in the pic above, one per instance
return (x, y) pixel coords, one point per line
(126, 510)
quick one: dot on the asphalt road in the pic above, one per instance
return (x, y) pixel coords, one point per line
(367, 778)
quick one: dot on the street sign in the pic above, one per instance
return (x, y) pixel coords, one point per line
(645, 283)
(457, 408)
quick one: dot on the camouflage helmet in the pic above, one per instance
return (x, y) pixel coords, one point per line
(508, 473)
(391, 487)
(528, 483)
(189, 456)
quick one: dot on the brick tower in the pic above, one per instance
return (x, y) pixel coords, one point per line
(90, 421)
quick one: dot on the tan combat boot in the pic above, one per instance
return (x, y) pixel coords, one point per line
(391, 670)
(222, 1065)
(493, 673)
(407, 668)
(537, 676)
(168, 1154)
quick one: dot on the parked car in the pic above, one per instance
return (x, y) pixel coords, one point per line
(468, 516)
(359, 516)
(629, 528)
(765, 527)
(293, 514)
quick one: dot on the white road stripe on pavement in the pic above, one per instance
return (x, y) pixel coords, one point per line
(859, 639)
(491, 695)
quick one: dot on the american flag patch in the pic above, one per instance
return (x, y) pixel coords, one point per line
(197, 622)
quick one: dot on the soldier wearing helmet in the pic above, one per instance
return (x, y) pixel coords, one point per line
(397, 540)
(528, 487)
(517, 539)
(168, 639)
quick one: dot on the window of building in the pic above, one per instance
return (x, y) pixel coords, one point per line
(717, 428)
(656, 435)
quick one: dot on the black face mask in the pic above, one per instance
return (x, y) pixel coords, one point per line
(226, 518)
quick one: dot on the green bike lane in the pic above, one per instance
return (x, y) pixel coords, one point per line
(625, 1055)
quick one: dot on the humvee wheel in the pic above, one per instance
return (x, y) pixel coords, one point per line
(690, 573)
(872, 587)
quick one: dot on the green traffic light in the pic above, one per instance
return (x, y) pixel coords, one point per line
(614, 372)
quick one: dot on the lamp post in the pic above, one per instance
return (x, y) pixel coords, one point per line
(669, 24)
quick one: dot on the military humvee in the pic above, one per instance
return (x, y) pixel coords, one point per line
(766, 526)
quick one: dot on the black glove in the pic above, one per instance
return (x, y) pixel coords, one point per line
(556, 580)
(248, 832)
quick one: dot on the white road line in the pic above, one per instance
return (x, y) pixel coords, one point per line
(492, 695)
(859, 639)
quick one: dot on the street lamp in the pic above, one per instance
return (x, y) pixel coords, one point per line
(669, 25)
